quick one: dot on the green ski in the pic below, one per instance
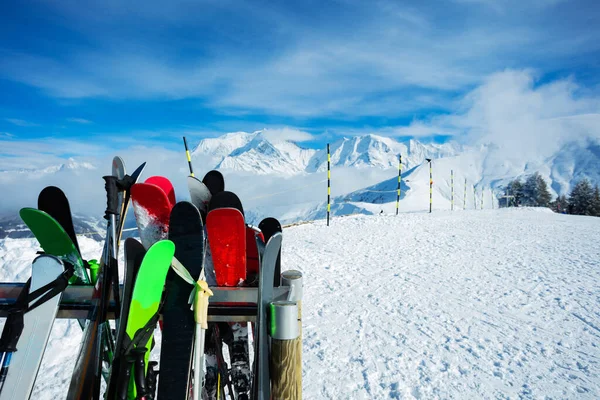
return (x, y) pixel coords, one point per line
(55, 241)
(142, 319)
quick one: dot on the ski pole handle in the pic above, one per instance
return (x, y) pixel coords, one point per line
(201, 303)
(124, 378)
(139, 371)
(112, 198)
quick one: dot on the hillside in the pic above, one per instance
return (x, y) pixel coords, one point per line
(475, 304)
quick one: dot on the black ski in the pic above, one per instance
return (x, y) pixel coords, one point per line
(54, 201)
(187, 232)
(269, 227)
(214, 181)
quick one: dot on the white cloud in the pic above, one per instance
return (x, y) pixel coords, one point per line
(20, 122)
(376, 59)
(6, 135)
(523, 117)
(79, 120)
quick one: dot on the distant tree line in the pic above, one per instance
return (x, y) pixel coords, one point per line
(584, 198)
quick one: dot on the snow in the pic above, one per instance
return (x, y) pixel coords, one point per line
(464, 304)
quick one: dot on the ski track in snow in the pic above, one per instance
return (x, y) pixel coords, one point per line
(465, 305)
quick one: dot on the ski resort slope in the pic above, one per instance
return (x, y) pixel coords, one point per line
(459, 305)
(464, 305)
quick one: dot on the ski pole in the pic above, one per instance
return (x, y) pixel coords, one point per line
(201, 317)
(200, 294)
(189, 158)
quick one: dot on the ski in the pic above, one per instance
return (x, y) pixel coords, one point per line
(261, 385)
(165, 185)
(30, 325)
(269, 227)
(187, 233)
(199, 194)
(214, 181)
(134, 254)
(143, 316)
(227, 238)
(53, 201)
(118, 171)
(55, 241)
(152, 210)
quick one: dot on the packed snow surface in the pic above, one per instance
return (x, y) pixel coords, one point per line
(465, 305)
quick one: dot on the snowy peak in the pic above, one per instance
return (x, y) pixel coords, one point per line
(263, 156)
(224, 145)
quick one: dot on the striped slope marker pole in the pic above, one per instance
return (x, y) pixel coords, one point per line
(430, 184)
(328, 183)
(452, 190)
(465, 196)
(399, 182)
(474, 198)
(482, 191)
(189, 158)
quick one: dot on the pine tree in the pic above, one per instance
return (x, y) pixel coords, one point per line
(535, 192)
(596, 202)
(581, 198)
(529, 191)
(543, 195)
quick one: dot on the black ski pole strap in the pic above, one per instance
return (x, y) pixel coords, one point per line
(126, 183)
(13, 328)
(112, 196)
(49, 290)
(141, 336)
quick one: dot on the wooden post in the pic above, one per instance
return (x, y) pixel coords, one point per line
(293, 279)
(284, 367)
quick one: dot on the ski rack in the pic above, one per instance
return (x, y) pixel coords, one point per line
(235, 304)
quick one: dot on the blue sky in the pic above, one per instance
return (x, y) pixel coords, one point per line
(115, 73)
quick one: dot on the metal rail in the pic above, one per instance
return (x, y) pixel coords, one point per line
(228, 304)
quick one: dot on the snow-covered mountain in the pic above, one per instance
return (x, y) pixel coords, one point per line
(70, 164)
(11, 226)
(263, 156)
(280, 178)
(257, 153)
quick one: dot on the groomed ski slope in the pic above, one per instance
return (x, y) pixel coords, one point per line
(464, 305)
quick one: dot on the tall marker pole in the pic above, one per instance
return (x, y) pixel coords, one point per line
(482, 192)
(452, 188)
(430, 184)
(399, 182)
(189, 158)
(328, 183)
(474, 198)
(465, 196)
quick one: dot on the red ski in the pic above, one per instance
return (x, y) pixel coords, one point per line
(227, 239)
(165, 185)
(152, 210)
